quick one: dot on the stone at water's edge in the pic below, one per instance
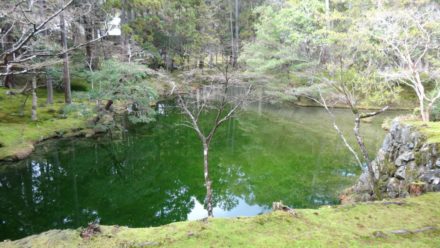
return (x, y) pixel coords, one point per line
(405, 164)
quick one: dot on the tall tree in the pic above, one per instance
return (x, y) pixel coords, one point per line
(65, 56)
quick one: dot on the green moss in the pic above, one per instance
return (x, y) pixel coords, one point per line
(430, 129)
(418, 158)
(340, 226)
(389, 168)
(18, 132)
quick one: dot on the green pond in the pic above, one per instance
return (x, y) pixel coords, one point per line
(152, 174)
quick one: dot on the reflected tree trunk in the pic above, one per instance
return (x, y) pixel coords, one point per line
(194, 107)
(208, 182)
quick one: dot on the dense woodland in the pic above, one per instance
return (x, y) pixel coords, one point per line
(109, 55)
(374, 49)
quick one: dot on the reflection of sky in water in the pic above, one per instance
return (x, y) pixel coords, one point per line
(241, 209)
(152, 175)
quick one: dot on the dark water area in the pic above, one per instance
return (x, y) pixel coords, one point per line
(152, 175)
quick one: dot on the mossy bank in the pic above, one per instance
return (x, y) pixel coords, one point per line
(18, 133)
(410, 222)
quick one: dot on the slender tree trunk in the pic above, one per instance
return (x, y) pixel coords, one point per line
(429, 110)
(260, 101)
(208, 182)
(125, 15)
(90, 63)
(34, 98)
(8, 78)
(211, 60)
(237, 31)
(327, 12)
(6, 44)
(129, 53)
(360, 140)
(232, 38)
(66, 72)
(49, 87)
(420, 91)
(364, 152)
(425, 117)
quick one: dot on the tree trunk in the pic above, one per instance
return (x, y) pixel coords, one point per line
(125, 15)
(108, 105)
(425, 117)
(237, 31)
(364, 151)
(327, 12)
(34, 98)
(211, 60)
(232, 38)
(90, 63)
(8, 78)
(49, 87)
(66, 72)
(208, 182)
(429, 111)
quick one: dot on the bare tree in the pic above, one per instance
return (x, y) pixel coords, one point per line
(410, 40)
(218, 98)
(350, 95)
(31, 24)
(18, 52)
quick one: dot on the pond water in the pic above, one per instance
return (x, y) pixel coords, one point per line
(153, 174)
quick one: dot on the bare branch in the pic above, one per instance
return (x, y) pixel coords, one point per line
(35, 30)
(323, 103)
(371, 114)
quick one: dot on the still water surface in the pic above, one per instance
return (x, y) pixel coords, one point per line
(153, 175)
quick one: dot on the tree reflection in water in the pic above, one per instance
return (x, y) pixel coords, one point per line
(151, 175)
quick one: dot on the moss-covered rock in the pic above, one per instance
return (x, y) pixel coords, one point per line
(408, 154)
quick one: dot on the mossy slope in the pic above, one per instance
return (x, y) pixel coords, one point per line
(18, 132)
(362, 225)
(430, 129)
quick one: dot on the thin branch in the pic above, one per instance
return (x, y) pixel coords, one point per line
(24, 39)
(371, 114)
(323, 103)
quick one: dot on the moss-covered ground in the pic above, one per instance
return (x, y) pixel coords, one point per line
(430, 129)
(410, 222)
(18, 132)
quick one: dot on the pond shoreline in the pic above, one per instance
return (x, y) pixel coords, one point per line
(25, 149)
(364, 224)
(159, 165)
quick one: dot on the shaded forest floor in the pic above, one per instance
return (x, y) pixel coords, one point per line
(18, 132)
(410, 222)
